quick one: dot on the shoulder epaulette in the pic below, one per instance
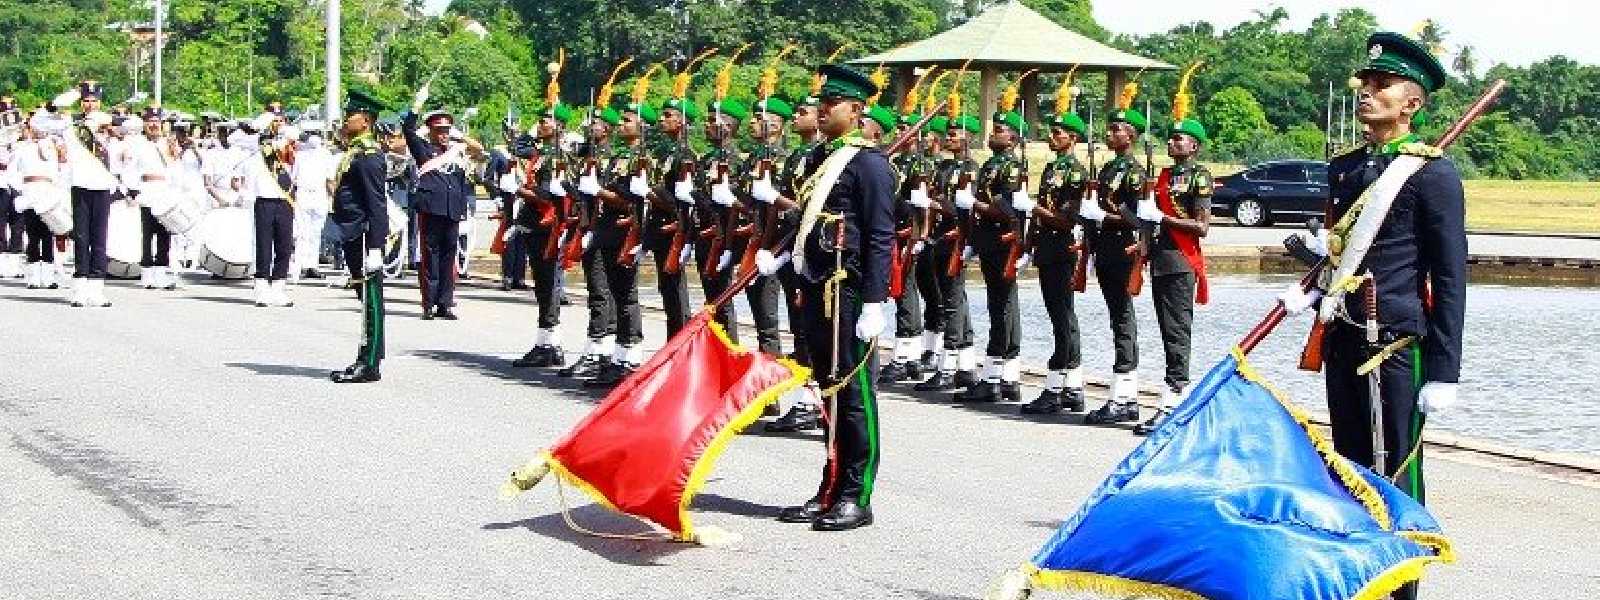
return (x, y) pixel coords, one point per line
(1421, 149)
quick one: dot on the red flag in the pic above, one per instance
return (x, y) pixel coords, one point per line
(649, 446)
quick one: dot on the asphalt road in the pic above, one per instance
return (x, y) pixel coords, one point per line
(189, 445)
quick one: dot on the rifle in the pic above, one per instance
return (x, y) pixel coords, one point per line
(680, 224)
(718, 232)
(582, 219)
(1147, 231)
(1308, 284)
(635, 222)
(905, 240)
(557, 214)
(1311, 354)
(963, 228)
(766, 221)
(1020, 230)
(1091, 193)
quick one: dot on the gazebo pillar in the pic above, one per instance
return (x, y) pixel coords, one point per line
(1030, 107)
(1115, 78)
(987, 81)
(901, 81)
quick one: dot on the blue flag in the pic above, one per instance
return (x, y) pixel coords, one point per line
(1237, 497)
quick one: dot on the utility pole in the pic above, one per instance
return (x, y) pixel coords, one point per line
(161, 17)
(330, 96)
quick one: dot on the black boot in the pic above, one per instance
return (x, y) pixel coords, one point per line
(1011, 391)
(940, 381)
(587, 366)
(356, 373)
(845, 515)
(805, 513)
(427, 313)
(894, 371)
(912, 372)
(987, 391)
(799, 418)
(1113, 412)
(1048, 403)
(925, 364)
(534, 357)
(610, 374)
(1151, 424)
(1072, 399)
(444, 313)
(965, 379)
(554, 356)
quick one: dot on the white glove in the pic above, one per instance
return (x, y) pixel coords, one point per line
(555, 188)
(420, 99)
(1149, 212)
(1317, 243)
(1091, 211)
(1023, 261)
(767, 264)
(588, 236)
(967, 253)
(917, 246)
(871, 322)
(509, 233)
(725, 260)
(684, 191)
(763, 191)
(508, 182)
(1020, 202)
(638, 187)
(1077, 234)
(374, 262)
(964, 198)
(1436, 396)
(589, 185)
(722, 194)
(919, 197)
(1296, 300)
(687, 255)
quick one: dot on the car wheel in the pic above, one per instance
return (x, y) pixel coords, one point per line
(1250, 213)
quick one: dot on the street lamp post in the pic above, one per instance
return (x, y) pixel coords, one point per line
(161, 17)
(331, 94)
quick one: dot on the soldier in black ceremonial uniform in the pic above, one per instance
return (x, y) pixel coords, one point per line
(850, 229)
(956, 369)
(1418, 272)
(803, 414)
(598, 172)
(1121, 183)
(1055, 251)
(440, 203)
(716, 209)
(361, 219)
(765, 293)
(914, 168)
(999, 203)
(613, 255)
(543, 199)
(1181, 216)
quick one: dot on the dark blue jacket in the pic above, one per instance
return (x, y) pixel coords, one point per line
(864, 195)
(361, 200)
(443, 191)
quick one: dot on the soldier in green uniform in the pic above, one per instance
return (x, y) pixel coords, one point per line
(927, 285)
(803, 413)
(671, 209)
(914, 169)
(995, 200)
(598, 171)
(1120, 183)
(1181, 213)
(361, 218)
(956, 369)
(764, 294)
(717, 207)
(1061, 189)
(542, 196)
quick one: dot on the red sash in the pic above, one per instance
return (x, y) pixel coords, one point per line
(1187, 243)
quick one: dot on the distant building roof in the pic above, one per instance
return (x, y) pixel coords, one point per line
(1012, 35)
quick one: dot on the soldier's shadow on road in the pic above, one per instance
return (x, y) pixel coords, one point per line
(36, 299)
(500, 367)
(637, 553)
(282, 370)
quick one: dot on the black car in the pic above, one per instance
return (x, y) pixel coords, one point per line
(1276, 190)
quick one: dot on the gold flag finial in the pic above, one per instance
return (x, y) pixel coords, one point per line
(552, 90)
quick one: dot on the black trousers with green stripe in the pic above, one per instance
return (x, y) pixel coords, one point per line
(852, 465)
(1345, 348)
(370, 292)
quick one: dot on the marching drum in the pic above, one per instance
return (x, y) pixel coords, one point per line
(176, 211)
(227, 242)
(123, 235)
(51, 203)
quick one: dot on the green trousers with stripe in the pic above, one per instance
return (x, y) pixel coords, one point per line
(370, 292)
(852, 417)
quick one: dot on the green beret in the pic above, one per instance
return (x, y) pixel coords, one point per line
(684, 106)
(609, 115)
(939, 124)
(1390, 52)
(910, 119)
(1071, 122)
(732, 108)
(969, 123)
(883, 116)
(1131, 116)
(560, 112)
(646, 113)
(775, 106)
(840, 81)
(1193, 128)
(1011, 119)
(362, 100)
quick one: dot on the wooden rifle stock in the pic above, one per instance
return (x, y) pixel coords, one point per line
(630, 240)
(674, 264)
(958, 243)
(718, 232)
(766, 220)
(1020, 232)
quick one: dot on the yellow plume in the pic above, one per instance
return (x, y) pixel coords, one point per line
(641, 87)
(953, 110)
(725, 76)
(769, 75)
(909, 104)
(816, 78)
(932, 101)
(880, 78)
(1064, 93)
(603, 99)
(552, 90)
(1182, 102)
(1008, 98)
(680, 83)
(1130, 91)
